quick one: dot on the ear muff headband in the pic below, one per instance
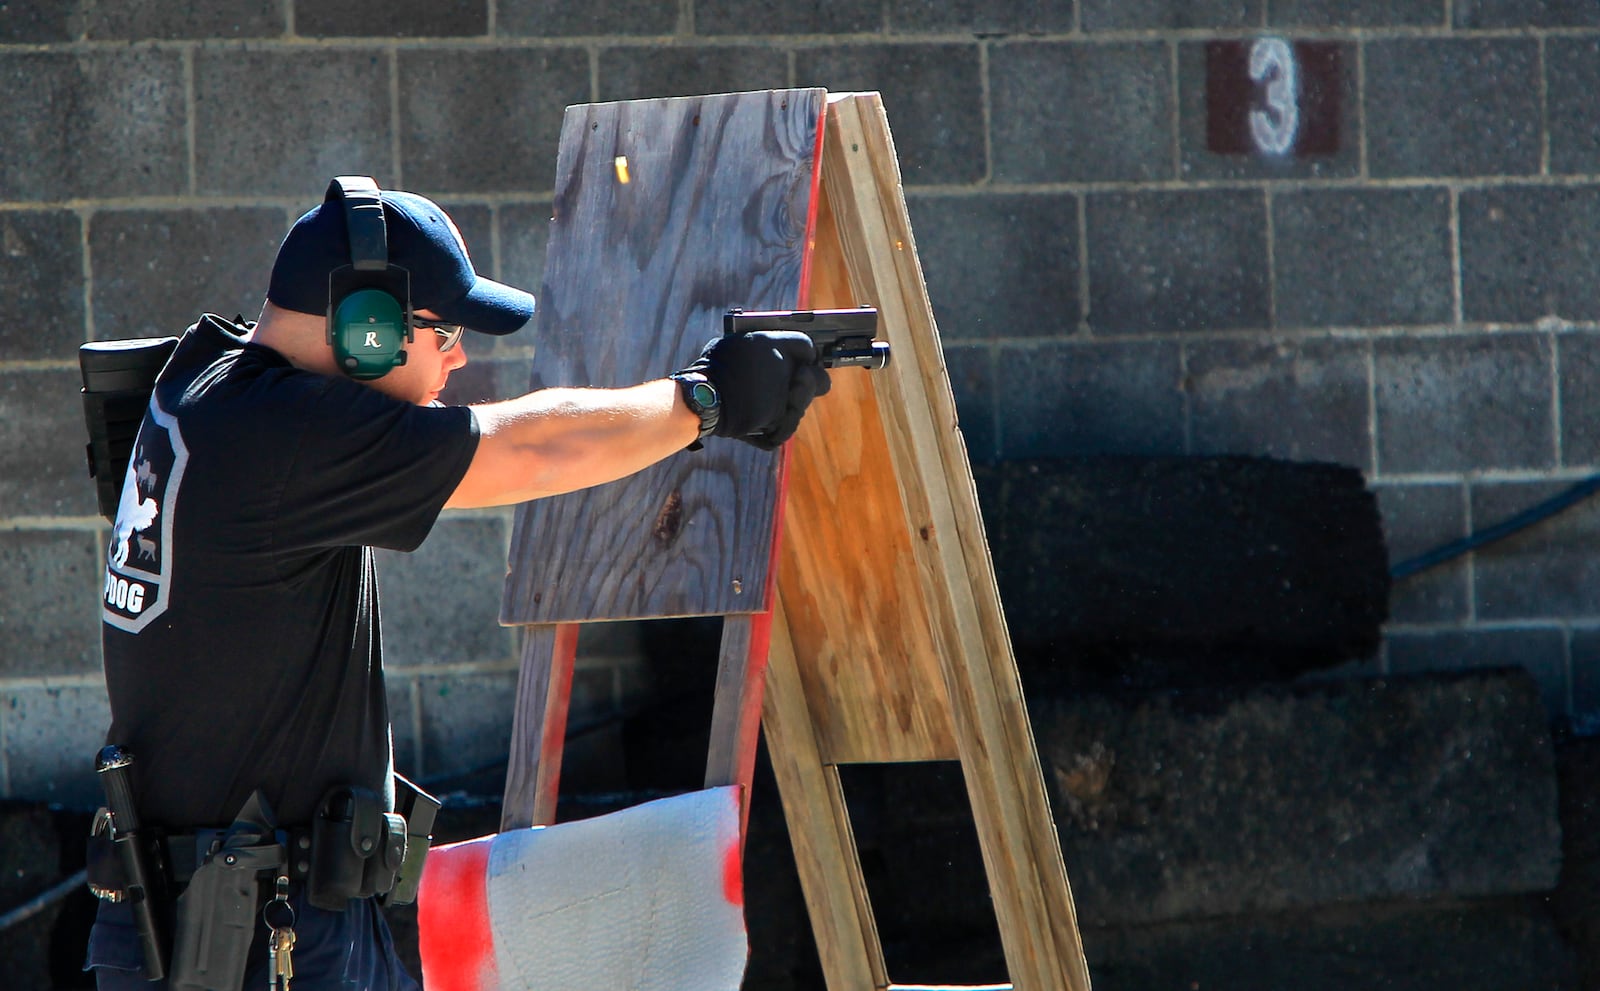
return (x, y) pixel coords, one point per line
(369, 301)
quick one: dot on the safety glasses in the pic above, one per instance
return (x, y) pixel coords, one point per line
(449, 333)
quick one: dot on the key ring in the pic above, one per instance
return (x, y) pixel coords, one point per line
(280, 896)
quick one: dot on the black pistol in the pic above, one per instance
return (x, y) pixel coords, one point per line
(145, 890)
(844, 338)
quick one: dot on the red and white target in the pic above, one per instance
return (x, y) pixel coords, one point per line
(650, 898)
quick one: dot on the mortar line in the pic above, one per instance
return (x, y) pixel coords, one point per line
(1175, 116)
(188, 115)
(985, 110)
(1083, 266)
(1272, 258)
(1556, 406)
(395, 125)
(86, 267)
(1457, 291)
(1469, 561)
(1370, 355)
(1544, 109)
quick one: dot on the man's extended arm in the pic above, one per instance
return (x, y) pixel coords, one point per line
(564, 439)
(561, 440)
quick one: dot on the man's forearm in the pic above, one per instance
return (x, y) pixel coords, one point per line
(560, 440)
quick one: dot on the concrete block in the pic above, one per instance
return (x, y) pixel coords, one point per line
(1187, 807)
(466, 721)
(999, 265)
(51, 736)
(127, 138)
(1539, 651)
(1417, 519)
(1572, 76)
(1176, 261)
(1464, 403)
(1527, 253)
(156, 271)
(559, 18)
(837, 17)
(461, 566)
(932, 94)
(392, 19)
(524, 234)
(1546, 571)
(1118, 397)
(1355, 13)
(50, 582)
(142, 19)
(39, 22)
(971, 371)
(1123, 15)
(1525, 13)
(1303, 399)
(628, 74)
(41, 280)
(985, 17)
(43, 469)
(349, 135)
(1453, 106)
(1469, 946)
(487, 123)
(1364, 258)
(1198, 161)
(1081, 113)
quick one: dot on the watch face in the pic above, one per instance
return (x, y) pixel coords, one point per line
(704, 396)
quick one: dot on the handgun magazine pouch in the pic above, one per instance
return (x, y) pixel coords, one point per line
(356, 848)
(419, 810)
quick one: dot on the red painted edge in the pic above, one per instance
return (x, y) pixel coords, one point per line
(552, 745)
(454, 938)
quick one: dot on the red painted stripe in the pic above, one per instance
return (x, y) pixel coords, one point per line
(811, 208)
(453, 934)
(732, 874)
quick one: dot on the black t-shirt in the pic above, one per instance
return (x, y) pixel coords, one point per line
(241, 637)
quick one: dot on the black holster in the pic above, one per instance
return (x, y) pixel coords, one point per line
(216, 914)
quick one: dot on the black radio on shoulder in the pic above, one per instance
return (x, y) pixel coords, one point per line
(118, 377)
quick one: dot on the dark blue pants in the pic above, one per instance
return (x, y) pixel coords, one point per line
(333, 951)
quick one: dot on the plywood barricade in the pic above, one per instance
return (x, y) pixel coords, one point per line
(861, 619)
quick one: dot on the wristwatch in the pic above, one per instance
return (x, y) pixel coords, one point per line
(702, 398)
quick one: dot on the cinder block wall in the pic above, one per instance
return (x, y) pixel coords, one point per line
(1418, 302)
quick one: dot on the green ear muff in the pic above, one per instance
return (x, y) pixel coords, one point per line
(369, 300)
(369, 334)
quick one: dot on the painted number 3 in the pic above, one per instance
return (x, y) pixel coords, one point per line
(1274, 127)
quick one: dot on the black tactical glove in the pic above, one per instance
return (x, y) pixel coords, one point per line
(764, 381)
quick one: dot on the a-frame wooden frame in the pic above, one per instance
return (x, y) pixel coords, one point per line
(881, 636)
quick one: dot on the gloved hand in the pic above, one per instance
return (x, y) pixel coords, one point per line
(766, 379)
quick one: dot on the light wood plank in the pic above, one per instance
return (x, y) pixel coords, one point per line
(539, 726)
(819, 826)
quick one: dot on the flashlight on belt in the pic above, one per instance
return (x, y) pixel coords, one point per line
(114, 766)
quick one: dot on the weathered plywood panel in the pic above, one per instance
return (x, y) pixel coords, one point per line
(713, 214)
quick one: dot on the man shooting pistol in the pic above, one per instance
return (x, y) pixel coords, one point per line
(844, 338)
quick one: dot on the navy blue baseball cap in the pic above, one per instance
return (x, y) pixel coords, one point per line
(423, 240)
